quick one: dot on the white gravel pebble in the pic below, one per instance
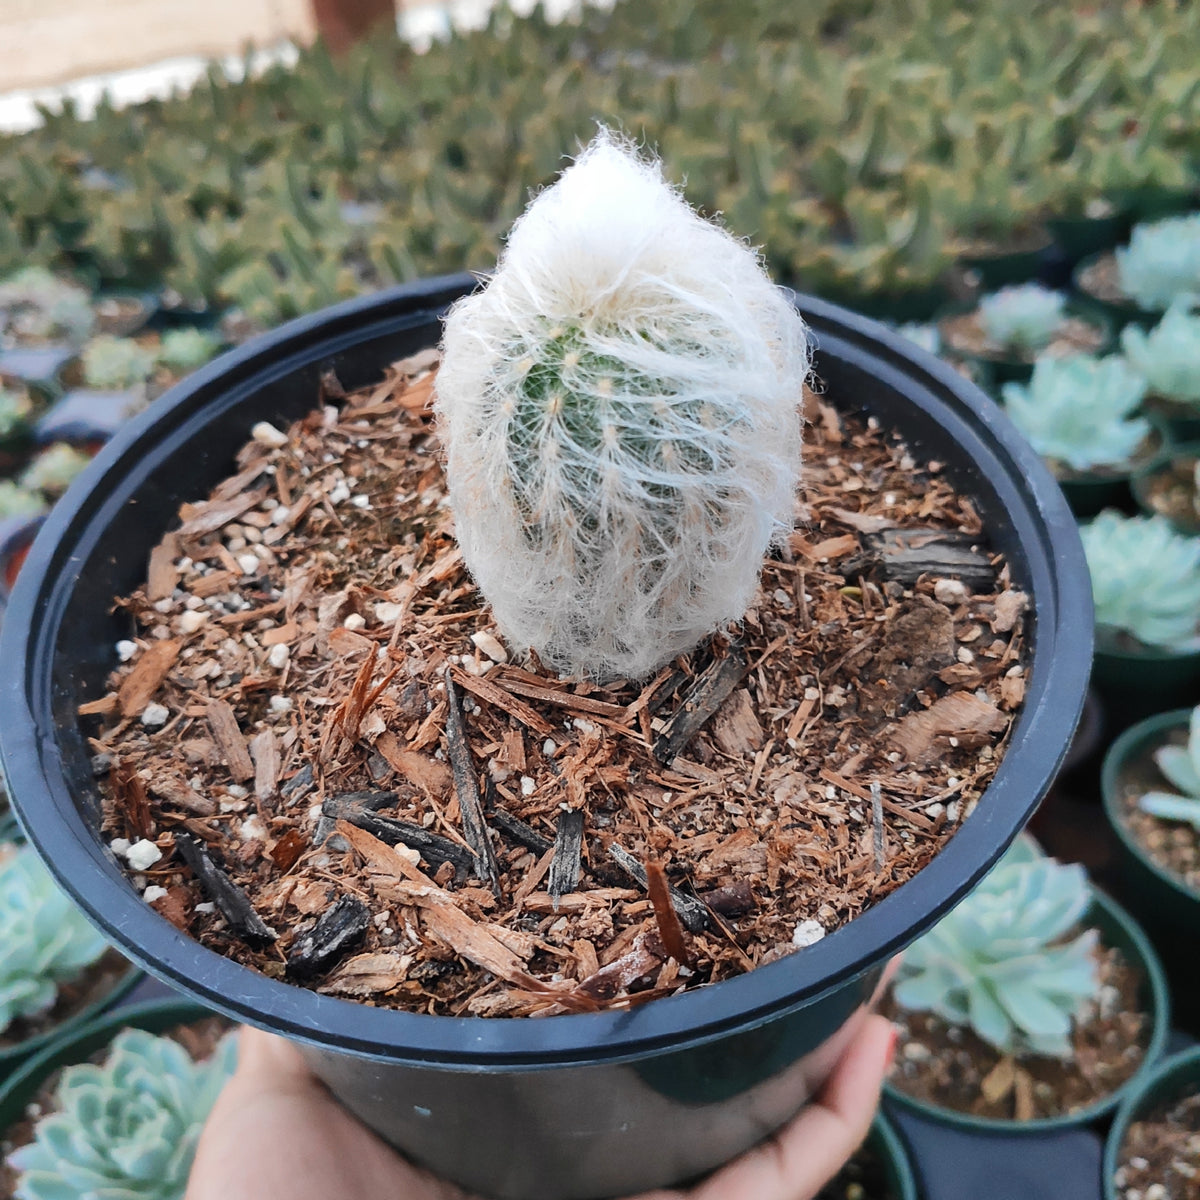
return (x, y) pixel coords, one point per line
(265, 434)
(249, 563)
(142, 855)
(153, 892)
(126, 650)
(490, 646)
(278, 656)
(154, 715)
(192, 620)
(807, 933)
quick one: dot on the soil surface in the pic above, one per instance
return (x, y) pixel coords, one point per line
(1100, 281)
(96, 982)
(864, 1177)
(1172, 845)
(1160, 1156)
(949, 1066)
(355, 785)
(1171, 492)
(199, 1040)
(965, 334)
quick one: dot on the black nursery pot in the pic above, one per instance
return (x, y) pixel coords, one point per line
(567, 1107)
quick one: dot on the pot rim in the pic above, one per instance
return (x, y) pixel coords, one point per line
(1057, 580)
(1153, 728)
(1160, 1032)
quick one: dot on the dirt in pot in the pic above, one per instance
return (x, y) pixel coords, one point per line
(1171, 492)
(93, 985)
(965, 334)
(1160, 1154)
(199, 1039)
(353, 784)
(864, 1177)
(951, 1067)
(1172, 845)
(1101, 281)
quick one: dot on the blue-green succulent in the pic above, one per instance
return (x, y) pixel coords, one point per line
(925, 336)
(1078, 411)
(46, 940)
(1161, 262)
(1145, 578)
(1169, 355)
(1180, 765)
(125, 1129)
(1003, 963)
(183, 350)
(1024, 318)
(116, 362)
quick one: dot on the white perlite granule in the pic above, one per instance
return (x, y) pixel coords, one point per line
(620, 409)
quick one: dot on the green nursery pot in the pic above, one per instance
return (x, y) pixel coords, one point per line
(1081, 237)
(1089, 492)
(1117, 929)
(84, 1039)
(13, 1057)
(1180, 421)
(1162, 465)
(1001, 368)
(1161, 896)
(1120, 312)
(1173, 1079)
(888, 1146)
(995, 268)
(1136, 682)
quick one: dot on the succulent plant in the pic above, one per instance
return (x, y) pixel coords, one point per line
(1181, 767)
(1145, 578)
(1161, 262)
(1076, 410)
(1025, 317)
(999, 963)
(1169, 355)
(34, 303)
(116, 363)
(46, 939)
(18, 501)
(15, 410)
(620, 413)
(925, 336)
(53, 469)
(125, 1129)
(183, 350)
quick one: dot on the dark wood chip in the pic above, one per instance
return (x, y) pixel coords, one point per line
(339, 930)
(518, 831)
(222, 720)
(734, 900)
(299, 785)
(466, 787)
(904, 555)
(232, 902)
(568, 843)
(711, 688)
(434, 848)
(691, 911)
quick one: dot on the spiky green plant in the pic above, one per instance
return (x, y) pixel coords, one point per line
(116, 363)
(1000, 963)
(1076, 410)
(1169, 355)
(620, 413)
(1145, 578)
(183, 350)
(1180, 765)
(125, 1129)
(1161, 262)
(53, 469)
(1025, 317)
(47, 940)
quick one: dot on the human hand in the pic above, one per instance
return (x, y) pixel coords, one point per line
(277, 1134)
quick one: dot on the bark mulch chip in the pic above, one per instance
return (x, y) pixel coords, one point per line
(346, 732)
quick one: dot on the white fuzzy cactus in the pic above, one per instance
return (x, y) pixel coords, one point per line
(620, 413)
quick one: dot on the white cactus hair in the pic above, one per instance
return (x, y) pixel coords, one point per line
(620, 410)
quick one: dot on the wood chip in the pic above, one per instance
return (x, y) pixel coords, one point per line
(426, 773)
(174, 791)
(367, 975)
(568, 843)
(691, 911)
(222, 720)
(138, 687)
(340, 929)
(233, 903)
(667, 920)
(264, 751)
(161, 575)
(709, 691)
(957, 715)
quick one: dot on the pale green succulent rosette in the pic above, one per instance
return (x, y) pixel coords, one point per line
(996, 964)
(1025, 317)
(115, 363)
(1180, 766)
(1161, 262)
(1145, 579)
(46, 940)
(126, 1129)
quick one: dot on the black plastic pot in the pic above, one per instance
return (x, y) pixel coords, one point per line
(1175, 1078)
(992, 267)
(573, 1106)
(1135, 680)
(1119, 930)
(889, 1149)
(1081, 237)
